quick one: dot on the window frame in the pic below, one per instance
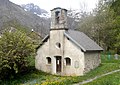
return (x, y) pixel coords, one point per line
(68, 61)
(48, 60)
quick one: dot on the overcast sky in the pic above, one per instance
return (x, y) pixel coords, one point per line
(50, 4)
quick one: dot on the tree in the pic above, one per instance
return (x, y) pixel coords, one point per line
(99, 25)
(15, 48)
(103, 24)
(115, 6)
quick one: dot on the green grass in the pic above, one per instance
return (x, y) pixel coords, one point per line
(111, 59)
(35, 77)
(103, 68)
(113, 79)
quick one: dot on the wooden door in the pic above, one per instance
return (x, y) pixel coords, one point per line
(58, 63)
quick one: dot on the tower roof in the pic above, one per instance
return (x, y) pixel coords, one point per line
(58, 8)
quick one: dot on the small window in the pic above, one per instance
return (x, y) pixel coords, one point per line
(68, 61)
(57, 14)
(48, 60)
(58, 45)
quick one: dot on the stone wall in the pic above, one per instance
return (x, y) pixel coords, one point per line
(62, 19)
(92, 60)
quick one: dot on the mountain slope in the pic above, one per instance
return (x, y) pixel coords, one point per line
(10, 11)
(35, 10)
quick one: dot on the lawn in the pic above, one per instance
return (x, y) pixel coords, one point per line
(113, 79)
(35, 77)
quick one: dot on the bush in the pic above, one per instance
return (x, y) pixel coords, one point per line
(14, 50)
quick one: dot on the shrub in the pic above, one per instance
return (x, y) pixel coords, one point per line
(14, 50)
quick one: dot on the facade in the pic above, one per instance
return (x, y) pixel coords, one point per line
(66, 52)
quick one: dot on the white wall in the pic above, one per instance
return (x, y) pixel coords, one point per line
(40, 59)
(76, 55)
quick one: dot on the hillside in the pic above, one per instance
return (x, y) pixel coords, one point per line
(11, 12)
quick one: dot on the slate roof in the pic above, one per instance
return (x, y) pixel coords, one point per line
(82, 40)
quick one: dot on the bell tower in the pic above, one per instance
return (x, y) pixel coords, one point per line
(57, 38)
(58, 19)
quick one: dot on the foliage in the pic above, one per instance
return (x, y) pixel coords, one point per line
(116, 6)
(16, 25)
(103, 24)
(14, 49)
(36, 38)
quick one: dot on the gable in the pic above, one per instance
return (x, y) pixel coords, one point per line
(71, 47)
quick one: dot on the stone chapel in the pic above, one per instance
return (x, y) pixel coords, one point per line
(66, 52)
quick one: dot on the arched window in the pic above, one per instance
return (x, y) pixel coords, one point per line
(68, 61)
(48, 60)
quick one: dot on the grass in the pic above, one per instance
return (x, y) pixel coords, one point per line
(35, 77)
(103, 68)
(113, 79)
(111, 59)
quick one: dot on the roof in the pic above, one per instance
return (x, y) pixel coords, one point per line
(58, 8)
(45, 38)
(82, 40)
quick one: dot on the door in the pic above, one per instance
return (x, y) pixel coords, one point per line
(58, 63)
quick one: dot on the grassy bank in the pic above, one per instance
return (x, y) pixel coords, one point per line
(113, 79)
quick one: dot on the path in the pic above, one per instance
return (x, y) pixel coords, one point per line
(92, 79)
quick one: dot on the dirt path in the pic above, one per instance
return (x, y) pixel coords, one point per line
(92, 79)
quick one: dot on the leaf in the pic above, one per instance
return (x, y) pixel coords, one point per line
(15, 68)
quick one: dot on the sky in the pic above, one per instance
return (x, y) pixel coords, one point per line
(67, 4)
